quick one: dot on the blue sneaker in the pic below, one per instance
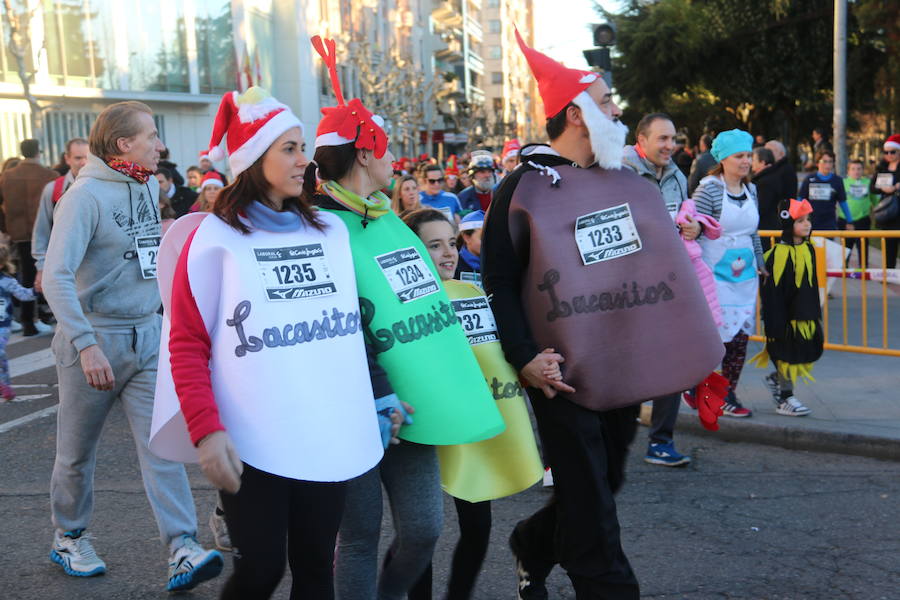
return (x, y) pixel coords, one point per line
(191, 565)
(666, 455)
(74, 552)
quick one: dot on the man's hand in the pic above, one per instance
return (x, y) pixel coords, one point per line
(96, 368)
(690, 231)
(39, 282)
(849, 227)
(543, 372)
(220, 462)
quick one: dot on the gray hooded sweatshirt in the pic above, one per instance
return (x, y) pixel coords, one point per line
(92, 275)
(672, 185)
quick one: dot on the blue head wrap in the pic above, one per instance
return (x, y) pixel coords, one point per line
(731, 142)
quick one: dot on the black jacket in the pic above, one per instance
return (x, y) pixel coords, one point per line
(787, 175)
(502, 267)
(769, 193)
(182, 200)
(700, 169)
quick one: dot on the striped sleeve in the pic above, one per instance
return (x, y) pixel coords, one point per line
(190, 349)
(708, 198)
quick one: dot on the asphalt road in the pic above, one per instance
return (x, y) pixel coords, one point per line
(742, 521)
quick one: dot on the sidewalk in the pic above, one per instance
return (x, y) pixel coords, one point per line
(855, 404)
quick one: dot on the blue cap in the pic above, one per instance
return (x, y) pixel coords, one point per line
(731, 142)
(473, 220)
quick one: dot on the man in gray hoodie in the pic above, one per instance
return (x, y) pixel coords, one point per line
(651, 158)
(100, 280)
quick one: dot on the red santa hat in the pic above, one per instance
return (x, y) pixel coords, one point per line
(203, 154)
(452, 166)
(211, 178)
(893, 142)
(557, 84)
(511, 148)
(249, 123)
(347, 122)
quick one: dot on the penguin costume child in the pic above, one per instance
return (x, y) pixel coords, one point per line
(791, 306)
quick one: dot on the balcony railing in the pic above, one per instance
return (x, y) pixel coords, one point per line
(448, 12)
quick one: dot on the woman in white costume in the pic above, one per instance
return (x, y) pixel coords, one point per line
(268, 358)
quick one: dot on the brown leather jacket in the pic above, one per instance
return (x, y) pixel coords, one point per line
(20, 195)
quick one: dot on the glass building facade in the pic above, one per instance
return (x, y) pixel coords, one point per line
(136, 46)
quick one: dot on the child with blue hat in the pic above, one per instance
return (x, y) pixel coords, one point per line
(469, 243)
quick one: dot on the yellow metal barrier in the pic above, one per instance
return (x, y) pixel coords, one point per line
(867, 277)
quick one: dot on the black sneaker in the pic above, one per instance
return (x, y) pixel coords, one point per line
(531, 578)
(28, 330)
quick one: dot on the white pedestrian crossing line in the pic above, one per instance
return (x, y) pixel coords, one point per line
(23, 365)
(30, 397)
(28, 363)
(29, 418)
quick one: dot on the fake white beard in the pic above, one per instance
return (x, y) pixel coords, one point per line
(607, 136)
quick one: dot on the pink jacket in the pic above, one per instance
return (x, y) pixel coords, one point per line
(712, 230)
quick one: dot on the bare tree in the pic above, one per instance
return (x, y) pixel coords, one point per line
(391, 86)
(18, 43)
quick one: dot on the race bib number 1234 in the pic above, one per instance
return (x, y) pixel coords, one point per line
(408, 274)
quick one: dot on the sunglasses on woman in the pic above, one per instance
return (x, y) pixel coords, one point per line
(889, 151)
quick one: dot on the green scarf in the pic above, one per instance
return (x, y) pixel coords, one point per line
(372, 207)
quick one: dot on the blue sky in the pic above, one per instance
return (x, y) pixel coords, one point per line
(562, 28)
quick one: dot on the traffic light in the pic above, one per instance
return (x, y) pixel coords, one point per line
(604, 35)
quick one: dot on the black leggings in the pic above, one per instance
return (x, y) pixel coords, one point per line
(474, 538)
(271, 512)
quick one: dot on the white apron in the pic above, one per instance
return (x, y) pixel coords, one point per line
(733, 263)
(288, 362)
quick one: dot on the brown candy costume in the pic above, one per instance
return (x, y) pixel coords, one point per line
(632, 323)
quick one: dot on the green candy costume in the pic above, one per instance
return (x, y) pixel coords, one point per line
(409, 321)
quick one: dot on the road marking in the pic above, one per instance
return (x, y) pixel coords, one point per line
(29, 418)
(29, 397)
(28, 363)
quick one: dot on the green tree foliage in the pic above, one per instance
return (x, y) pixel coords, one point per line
(764, 66)
(878, 36)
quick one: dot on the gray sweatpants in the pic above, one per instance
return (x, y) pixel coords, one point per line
(132, 353)
(411, 476)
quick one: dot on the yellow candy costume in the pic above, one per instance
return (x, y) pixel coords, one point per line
(508, 463)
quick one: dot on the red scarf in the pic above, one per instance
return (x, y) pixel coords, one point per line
(131, 169)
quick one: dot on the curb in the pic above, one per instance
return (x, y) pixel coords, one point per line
(795, 438)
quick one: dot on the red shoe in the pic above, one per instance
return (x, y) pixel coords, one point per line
(690, 399)
(7, 392)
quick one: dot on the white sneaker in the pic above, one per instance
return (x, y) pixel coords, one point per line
(43, 327)
(15, 326)
(791, 407)
(76, 555)
(548, 477)
(191, 565)
(220, 531)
